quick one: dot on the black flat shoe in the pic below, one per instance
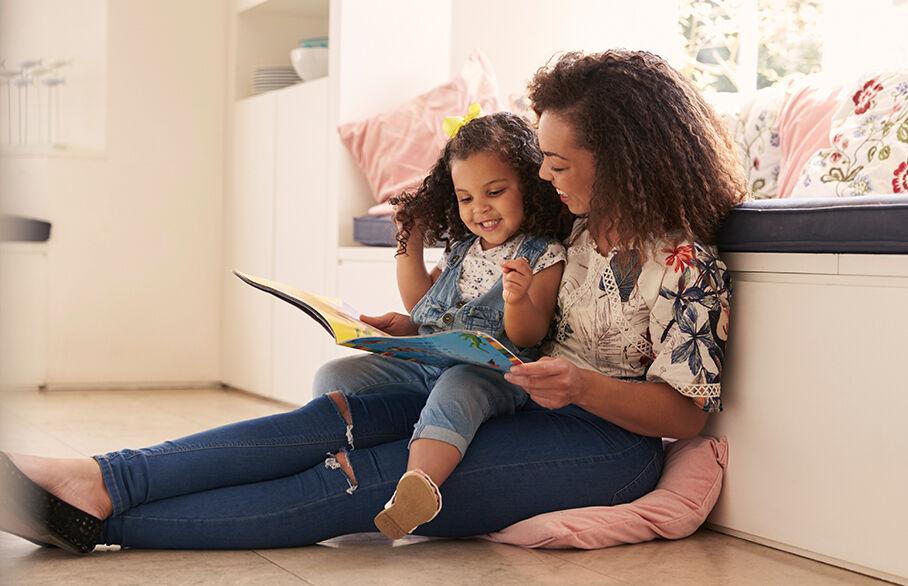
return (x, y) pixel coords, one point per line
(52, 521)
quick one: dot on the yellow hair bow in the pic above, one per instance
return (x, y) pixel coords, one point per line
(453, 124)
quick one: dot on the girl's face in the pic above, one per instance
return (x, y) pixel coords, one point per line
(489, 197)
(565, 165)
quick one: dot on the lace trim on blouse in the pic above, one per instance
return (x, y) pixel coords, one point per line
(708, 390)
(600, 267)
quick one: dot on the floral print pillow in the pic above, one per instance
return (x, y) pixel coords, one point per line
(869, 152)
(756, 135)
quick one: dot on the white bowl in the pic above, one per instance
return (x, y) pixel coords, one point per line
(310, 62)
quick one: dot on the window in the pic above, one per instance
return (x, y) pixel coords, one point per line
(741, 45)
(744, 45)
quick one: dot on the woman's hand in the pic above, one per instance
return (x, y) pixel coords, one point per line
(396, 324)
(516, 276)
(551, 382)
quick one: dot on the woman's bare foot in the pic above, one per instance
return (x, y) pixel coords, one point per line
(76, 481)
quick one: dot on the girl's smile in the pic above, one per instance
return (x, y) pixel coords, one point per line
(489, 197)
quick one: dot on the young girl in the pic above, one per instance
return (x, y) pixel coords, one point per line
(500, 274)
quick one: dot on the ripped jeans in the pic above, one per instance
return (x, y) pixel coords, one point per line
(274, 481)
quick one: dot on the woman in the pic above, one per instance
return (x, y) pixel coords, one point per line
(636, 355)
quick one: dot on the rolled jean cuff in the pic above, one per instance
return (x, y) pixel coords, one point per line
(110, 484)
(441, 434)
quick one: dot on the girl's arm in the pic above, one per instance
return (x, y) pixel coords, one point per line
(393, 323)
(413, 280)
(529, 300)
(648, 408)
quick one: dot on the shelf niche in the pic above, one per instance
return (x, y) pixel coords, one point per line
(266, 32)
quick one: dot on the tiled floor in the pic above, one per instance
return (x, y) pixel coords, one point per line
(83, 423)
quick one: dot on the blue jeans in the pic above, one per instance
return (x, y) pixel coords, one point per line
(460, 398)
(273, 481)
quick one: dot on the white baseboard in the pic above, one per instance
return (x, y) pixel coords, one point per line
(808, 554)
(118, 386)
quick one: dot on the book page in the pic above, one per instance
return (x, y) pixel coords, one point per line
(442, 349)
(331, 313)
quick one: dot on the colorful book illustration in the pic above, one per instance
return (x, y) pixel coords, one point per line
(341, 321)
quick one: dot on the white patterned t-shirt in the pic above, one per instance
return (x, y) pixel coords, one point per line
(481, 268)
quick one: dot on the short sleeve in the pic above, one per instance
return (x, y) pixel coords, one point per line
(689, 323)
(442, 262)
(553, 254)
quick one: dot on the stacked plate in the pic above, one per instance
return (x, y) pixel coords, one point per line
(273, 77)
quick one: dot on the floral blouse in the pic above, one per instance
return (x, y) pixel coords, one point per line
(655, 315)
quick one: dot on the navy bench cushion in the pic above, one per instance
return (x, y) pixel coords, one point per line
(869, 224)
(374, 230)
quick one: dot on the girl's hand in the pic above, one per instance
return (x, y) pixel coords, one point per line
(516, 276)
(551, 382)
(417, 235)
(396, 324)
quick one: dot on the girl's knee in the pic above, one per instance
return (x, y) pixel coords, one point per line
(330, 377)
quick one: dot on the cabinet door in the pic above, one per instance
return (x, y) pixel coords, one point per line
(301, 225)
(367, 281)
(249, 228)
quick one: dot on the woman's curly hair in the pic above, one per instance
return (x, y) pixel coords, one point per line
(664, 161)
(434, 206)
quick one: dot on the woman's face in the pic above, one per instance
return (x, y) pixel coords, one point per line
(565, 165)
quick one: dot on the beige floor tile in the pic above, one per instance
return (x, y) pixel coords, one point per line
(708, 558)
(116, 567)
(371, 558)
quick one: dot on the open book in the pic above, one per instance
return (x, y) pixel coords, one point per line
(342, 322)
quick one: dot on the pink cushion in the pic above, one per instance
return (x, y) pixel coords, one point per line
(686, 493)
(804, 123)
(396, 149)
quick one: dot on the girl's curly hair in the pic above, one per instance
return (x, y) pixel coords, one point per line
(664, 161)
(434, 206)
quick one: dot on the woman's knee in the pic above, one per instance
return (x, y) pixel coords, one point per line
(341, 461)
(340, 401)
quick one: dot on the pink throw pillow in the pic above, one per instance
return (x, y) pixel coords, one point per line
(396, 149)
(805, 120)
(686, 493)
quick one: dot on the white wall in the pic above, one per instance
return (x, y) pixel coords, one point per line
(43, 29)
(134, 255)
(519, 36)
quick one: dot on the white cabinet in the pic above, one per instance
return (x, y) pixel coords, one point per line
(249, 245)
(293, 189)
(301, 232)
(367, 281)
(366, 278)
(814, 404)
(276, 228)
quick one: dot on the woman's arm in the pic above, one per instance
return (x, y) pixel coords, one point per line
(529, 300)
(648, 408)
(413, 280)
